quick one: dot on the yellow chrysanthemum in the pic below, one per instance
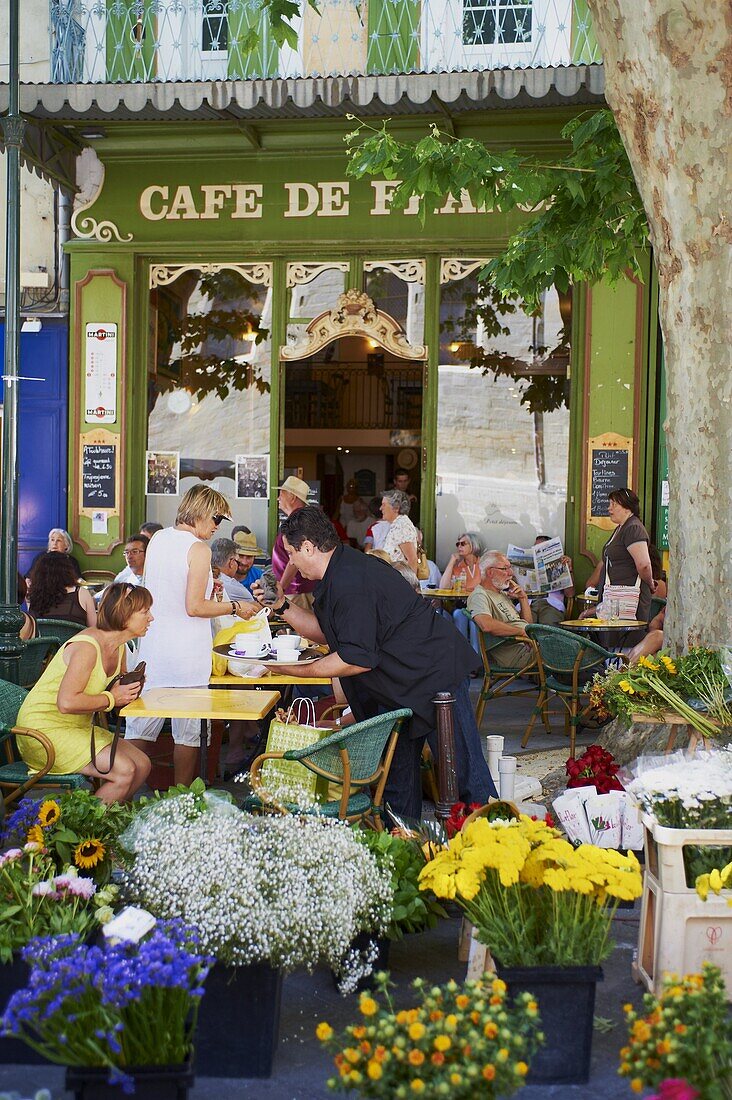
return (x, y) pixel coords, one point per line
(416, 1031)
(374, 1071)
(443, 1042)
(49, 813)
(368, 1006)
(323, 1032)
(89, 852)
(417, 1085)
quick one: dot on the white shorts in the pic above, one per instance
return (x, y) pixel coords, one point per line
(186, 731)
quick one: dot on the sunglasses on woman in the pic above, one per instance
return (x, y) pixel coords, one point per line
(217, 519)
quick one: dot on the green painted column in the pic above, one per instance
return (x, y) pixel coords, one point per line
(429, 399)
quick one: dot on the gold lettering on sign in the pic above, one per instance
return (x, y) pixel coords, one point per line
(182, 206)
(383, 195)
(248, 200)
(214, 195)
(146, 203)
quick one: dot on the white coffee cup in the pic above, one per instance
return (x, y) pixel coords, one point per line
(251, 645)
(286, 645)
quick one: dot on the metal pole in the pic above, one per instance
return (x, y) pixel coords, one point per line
(447, 784)
(13, 127)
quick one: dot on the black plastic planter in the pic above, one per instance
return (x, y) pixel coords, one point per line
(14, 976)
(151, 1082)
(566, 999)
(239, 1021)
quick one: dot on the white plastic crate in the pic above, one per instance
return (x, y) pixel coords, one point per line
(679, 932)
(665, 853)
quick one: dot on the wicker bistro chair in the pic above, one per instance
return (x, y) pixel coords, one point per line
(33, 658)
(356, 758)
(497, 677)
(60, 629)
(15, 780)
(566, 660)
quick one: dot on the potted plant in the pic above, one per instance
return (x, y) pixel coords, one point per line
(543, 908)
(34, 901)
(257, 891)
(123, 1015)
(686, 1034)
(459, 1041)
(76, 829)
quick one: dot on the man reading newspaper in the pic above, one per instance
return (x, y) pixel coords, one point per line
(545, 572)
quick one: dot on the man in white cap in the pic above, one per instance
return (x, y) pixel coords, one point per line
(293, 494)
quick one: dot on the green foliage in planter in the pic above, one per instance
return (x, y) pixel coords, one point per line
(414, 910)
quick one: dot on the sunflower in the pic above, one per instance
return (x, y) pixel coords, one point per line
(89, 852)
(49, 813)
(35, 836)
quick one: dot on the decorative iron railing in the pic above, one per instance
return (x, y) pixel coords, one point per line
(99, 41)
(372, 398)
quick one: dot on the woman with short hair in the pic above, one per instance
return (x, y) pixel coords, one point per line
(401, 538)
(56, 594)
(74, 687)
(464, 562)
(177, 650)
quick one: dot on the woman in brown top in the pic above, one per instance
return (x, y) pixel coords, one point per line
(55, 593)
(625, 555)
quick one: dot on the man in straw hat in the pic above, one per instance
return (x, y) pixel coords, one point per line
(293, 495)
(246, 551)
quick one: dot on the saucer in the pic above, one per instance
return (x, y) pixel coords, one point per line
(246, 656)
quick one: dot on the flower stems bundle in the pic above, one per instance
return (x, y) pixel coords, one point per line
(533, 898)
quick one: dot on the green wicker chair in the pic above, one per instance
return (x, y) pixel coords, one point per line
(355, 759)
(15, 782)
(33, 658)
(498, 677)
(565, 660)
(60, 629)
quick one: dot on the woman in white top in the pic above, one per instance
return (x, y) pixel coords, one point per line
(401, 538)
(177, 647)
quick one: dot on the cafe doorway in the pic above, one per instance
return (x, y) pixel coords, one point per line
(353, 412)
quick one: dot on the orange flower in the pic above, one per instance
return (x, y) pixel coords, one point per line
(365, 1047)
(663, 1047)
(351, 1055)
(462, 1001)
(436, 1015)
(490, 1030)
(680, 1029)
(437, 1058)
(358, 1032)
(380, 1053)
(475, 1017)
(416, 1057)
(489, 1072)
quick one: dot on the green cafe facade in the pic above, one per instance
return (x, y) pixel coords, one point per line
(242, 309)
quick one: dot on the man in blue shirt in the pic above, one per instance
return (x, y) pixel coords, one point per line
(246, 551)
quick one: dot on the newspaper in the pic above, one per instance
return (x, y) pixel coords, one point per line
(540, 569)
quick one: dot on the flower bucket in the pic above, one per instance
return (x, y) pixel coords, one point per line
(566, 998)
(151, 1082)
(14, 976)
(239, 1021)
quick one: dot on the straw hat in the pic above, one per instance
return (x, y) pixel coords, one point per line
(297, 487)
(247, 543)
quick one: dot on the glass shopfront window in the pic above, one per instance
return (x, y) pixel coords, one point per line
(209, 373)
(503, 418)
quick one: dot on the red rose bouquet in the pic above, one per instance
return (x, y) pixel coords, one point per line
(595, 768)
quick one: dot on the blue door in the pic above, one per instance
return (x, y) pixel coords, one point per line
(42, 436)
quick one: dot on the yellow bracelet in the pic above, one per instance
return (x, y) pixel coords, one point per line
(112, 703)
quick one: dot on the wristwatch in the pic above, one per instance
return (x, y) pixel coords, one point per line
(284, 607)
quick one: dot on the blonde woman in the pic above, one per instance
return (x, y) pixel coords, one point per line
(177, 648)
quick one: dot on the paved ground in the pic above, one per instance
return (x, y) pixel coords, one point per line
(301, 1068)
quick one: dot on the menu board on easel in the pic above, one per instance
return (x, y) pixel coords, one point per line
(609, 466)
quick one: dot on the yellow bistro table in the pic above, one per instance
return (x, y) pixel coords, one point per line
(204, 703)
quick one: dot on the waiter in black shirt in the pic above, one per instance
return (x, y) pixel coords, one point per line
(388, 648)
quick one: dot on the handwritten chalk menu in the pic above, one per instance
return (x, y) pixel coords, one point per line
(609, 466)
(100, 371)
(99, 475)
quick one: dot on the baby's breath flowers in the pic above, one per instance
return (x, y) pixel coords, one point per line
(684, 1033)
(458, 1042)
(256, 888)
(500, 871)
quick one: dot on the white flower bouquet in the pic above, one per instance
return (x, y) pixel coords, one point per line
(290, 891)
(684, 793)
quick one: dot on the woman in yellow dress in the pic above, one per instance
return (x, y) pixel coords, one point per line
(74, 687)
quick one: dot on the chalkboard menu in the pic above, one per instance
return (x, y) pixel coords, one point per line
(609, 471)
(98, 475)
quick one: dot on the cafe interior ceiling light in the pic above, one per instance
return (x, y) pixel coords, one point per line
(93, 134)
